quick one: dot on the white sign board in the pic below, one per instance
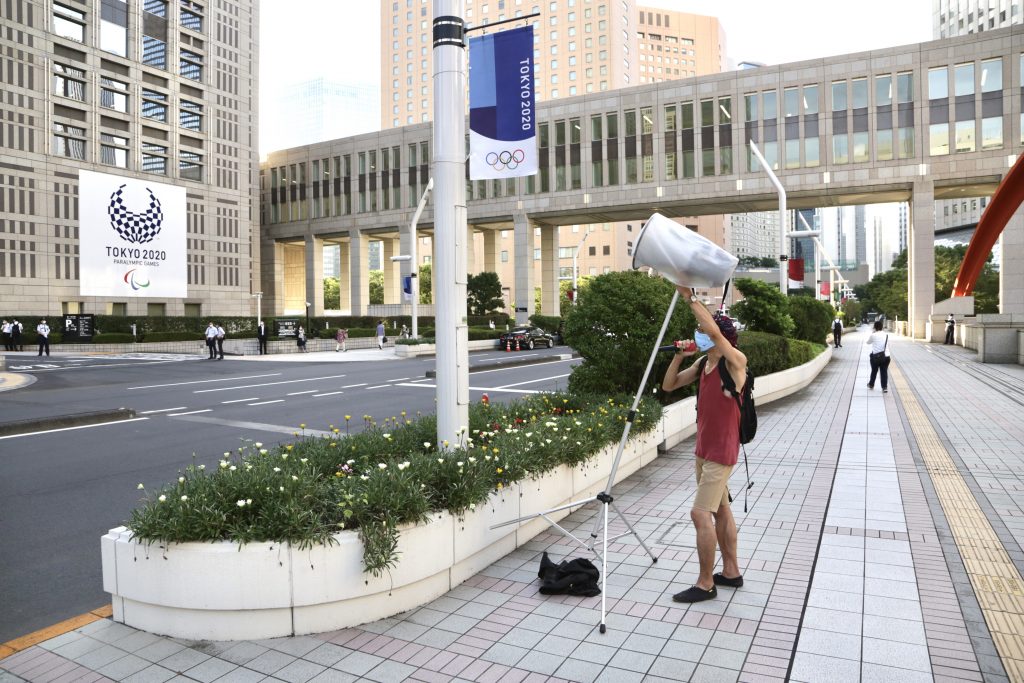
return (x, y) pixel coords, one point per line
(131, 237)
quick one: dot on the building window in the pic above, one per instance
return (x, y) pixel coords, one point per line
(69, 23)
(190, 165)
(606, 250)
(191, 115)
(156, 310)
(113, 150)
(192, 15)
(938, 83)
(963, 79)
(154, 105)
(938, 139)
(68, 141)
(114, 27)
(504, 255)
(154, 158)
(113, 94)
(69, 82)
(154, 52)
(191, 65)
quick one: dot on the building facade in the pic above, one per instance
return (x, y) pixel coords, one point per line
(159, 90)
(314, 110)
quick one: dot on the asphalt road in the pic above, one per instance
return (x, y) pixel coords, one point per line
(61, 490)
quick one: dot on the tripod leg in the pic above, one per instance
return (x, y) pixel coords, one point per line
(629, 526)
(604, 571)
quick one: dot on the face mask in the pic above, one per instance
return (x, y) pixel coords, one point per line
(703, 341)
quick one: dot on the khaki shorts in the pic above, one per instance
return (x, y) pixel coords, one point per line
(712, 485)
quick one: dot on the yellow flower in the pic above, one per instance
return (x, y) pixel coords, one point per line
(302, 425)
(347, 418)
(499, 470)
(500, 486)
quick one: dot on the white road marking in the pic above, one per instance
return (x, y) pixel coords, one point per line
(204, 381)
(400, 379)
(191, 412)
(101, 365)
(162, 410)
(542, 379)
(349, 386)
(68, 429)
(551, 362)
(486, 389)
(249, 426)
(329, 393)
(299, 393)
(266, 384)
(381, 386)
(242, 400)
(263, 403)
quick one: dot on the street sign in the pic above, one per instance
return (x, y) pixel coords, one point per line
(286, 328)
(78, 328)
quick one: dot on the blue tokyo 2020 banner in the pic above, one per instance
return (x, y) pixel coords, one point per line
(502, 118)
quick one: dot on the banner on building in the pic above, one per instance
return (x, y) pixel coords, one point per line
(796, 273)
(826, 289)
(502, 117)
(131, 237)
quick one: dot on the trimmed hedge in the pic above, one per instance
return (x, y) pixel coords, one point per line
(766, 353)
(112, 338)
(549, 323)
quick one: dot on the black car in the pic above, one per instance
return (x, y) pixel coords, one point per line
(528, 338)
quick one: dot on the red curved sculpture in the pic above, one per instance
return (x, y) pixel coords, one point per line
(1007, 198)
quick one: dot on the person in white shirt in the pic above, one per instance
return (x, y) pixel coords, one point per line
(6, 331)
(878, 347)
(43, 330)
(837, 332)
(950, 329)
(211, 341)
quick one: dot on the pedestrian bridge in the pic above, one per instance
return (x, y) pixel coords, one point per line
(914, 123)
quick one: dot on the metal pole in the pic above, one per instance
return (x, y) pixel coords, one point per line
(449, 267)
(783, 251)
(575, 292)
(414, 271)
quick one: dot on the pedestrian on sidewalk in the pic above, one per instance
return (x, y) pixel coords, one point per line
(16, 330)
(43, 332)
(6, 331)
(718, 444)
(300, 339)
(950, 328)
(878, 346)
(220, 341)
(211, 340)
(837, 332)
(340, 340)
(380, 334)
(261, 337)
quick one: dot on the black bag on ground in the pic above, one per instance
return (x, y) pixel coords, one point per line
(568, 577)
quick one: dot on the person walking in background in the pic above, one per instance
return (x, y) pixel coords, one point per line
(380, 334)
(6, 331)
(340, 340)
(261, 338)
(837, 332)
(211, 341)
(950, 329)
(718, 444)
(220, 342)
(300, 339)
(878, 347)
(16, 329)
(43, 330)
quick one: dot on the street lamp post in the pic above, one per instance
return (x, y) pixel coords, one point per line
(259, 307)
(575, 270)
(414, 288)
(308, 304)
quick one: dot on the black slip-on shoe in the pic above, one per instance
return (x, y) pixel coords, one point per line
(723, 580)
(695, 594)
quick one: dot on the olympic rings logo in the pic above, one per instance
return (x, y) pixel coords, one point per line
(506, 159)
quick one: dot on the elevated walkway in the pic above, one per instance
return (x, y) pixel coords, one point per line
(883, 542)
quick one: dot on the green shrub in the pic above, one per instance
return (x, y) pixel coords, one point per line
(386, 475)
(112, 338)
(766, 353)
(801, 352)
(481, 333)
(548, 323)
(182, 336)
(812, 319)
(30, 338)
(763, 308)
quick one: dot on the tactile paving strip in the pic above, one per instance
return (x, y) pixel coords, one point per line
(997, 583)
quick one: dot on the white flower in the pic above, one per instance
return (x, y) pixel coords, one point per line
(403, 465)
(277, 469)
(472, 506)
(232, 468)
(459, 463)
(382, 466)
(529, 434)
(140, 487)
(426, 444)
(202, 467)
(263, 451)
(162, 498)
(294, 478)
(363, 477)
(181, 480)
(304, 460)
(248, 468)
(386, 436)
(472, 459)
(227, 454)
(258, 445)
(240, 503)
(280, 488)
(184, 498)
(284, 456)
(248, 501)
(440, 461)
(350, 462)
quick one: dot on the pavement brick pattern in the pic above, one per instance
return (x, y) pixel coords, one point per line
(852, 569)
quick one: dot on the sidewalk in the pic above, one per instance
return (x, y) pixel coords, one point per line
(883, 543)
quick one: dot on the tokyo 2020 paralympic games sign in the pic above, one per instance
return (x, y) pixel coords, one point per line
(502, 116)
(131, 237)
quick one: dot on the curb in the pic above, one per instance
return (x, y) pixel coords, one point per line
(24, 642)
(73, 420)
(514, 363)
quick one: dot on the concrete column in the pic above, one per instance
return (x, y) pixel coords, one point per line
(359, 267)
(392, 272)
(294, 277)
(523, 289)
(272, 277)
(1011, 266)
(344, 276)
(549, 290)
(921, 257)
(470, 250)
(315, 274)
(491, 251)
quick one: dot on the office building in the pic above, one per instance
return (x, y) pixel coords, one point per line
(162, 91)
(316, 110)
(952, 18)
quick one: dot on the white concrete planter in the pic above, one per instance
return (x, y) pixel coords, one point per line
(220, 591)
(413, 350)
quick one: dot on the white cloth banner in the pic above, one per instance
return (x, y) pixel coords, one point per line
(131, 237)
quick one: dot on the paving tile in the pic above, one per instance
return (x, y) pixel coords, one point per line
(211, 669)
(388, 671)
(270, 661)
(671, 669)
(829, 643)
(540, 662)
(509, 655)
(874, 673)
(812, 668)
(579, 670)
(123, 667)
(705, 673)
(896, 654)
(242, 652)
(241, 675)
(358, 663)
(898, 630)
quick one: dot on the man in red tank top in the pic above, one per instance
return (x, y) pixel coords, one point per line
(718, 444)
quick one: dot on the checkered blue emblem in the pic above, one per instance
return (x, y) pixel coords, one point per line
(138, 228)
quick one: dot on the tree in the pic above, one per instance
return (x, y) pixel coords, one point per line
(376, 286)
(614, 328)
(424, 276)
(758, 262)
(764, 308)
(812, 319)
(483, 293)
(947, 266)
(332, 294)
(852, 311)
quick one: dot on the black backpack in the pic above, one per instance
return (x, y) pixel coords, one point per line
(748, 411)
